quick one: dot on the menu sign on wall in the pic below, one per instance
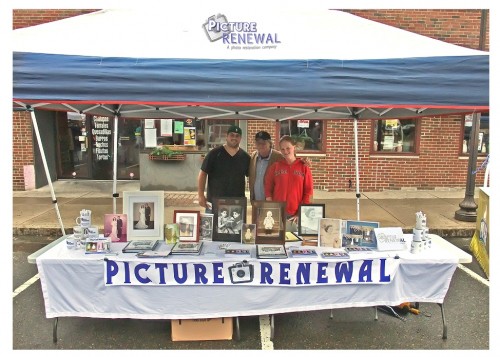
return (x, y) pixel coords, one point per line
(102, 137)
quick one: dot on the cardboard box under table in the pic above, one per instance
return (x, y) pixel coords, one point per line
(202, 329)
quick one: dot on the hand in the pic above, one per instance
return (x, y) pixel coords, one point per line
(307, 161)
(294, 219)
(202, 201)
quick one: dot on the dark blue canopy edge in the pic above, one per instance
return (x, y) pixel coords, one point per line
(459, 82)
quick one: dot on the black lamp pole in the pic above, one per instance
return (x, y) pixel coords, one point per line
(468, 207)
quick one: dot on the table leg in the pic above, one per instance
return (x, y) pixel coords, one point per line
(331, 313)
(237, 323)
(376, 314)
(272, 327)
(54, 330)
(445, 328)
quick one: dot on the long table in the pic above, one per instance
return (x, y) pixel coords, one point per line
(73, 285)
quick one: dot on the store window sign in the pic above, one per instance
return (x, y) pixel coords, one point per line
(302, 123)
(102, 133)
(239, 35)
(468, 120)
(178, 127)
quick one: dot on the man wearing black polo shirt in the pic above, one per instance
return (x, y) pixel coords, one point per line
(225, 167)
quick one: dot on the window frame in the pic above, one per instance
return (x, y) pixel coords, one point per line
(294, 132)
(486, 137)
(416, 138)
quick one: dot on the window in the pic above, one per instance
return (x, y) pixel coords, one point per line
(394, 136)
(483, 143)
(308, 134)
(203, 134)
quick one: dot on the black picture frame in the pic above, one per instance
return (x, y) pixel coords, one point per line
(206, 226)
(226, 229)
(264, 234)
(304, 227)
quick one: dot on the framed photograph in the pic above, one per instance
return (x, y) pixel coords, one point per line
(330, 233)
(270, 220)
(360, 233)
(309, 216)
(144, 210)
(248, 233)
(206, 226)
(189, 225)
(229, 215)
(171, 233)
(115, 227)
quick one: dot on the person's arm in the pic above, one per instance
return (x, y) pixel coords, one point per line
(269, 183)
(202, 181)
(308, 186)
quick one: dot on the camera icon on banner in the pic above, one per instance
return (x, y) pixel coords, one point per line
(241, 272)
(212, 27)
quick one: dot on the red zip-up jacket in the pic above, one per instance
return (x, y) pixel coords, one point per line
(290, 183)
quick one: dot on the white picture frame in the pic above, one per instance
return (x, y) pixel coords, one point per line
(139, 227)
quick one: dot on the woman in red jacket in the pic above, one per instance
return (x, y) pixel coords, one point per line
(289, 180)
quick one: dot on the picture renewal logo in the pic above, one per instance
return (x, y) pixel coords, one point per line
(239, 35)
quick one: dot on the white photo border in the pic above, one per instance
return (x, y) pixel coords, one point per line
(132, 197)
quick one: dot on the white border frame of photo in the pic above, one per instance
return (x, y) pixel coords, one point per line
(133, 198)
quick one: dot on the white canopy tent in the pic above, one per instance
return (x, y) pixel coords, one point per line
(242, 64)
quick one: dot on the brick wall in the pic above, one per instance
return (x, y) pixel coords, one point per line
(438, 164)
(32, 17)
(22, 148)
(460, 27)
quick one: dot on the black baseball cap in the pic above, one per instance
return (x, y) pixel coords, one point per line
(234, 129)
(263, 135)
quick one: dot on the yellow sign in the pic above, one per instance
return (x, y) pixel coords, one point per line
(480, 244)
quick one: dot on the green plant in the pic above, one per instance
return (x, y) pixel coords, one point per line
(302, 137)
(163, 150)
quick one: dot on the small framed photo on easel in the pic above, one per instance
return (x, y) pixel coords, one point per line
(270, 220)
(309, 216)
(330, 233)
(189, 223)
(206, 226)
(248, 233)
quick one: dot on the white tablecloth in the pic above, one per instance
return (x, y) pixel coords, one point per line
(73, 285)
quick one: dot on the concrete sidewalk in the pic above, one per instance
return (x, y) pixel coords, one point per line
(34, 213)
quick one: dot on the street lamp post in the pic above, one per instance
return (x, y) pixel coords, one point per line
(468, 207)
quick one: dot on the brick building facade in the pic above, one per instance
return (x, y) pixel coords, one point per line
(439, 162)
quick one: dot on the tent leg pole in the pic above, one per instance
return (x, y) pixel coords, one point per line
(356, 159)
(46, 168)
(115, 162)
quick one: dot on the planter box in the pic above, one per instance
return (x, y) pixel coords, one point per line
(175, 157)
(182, 147)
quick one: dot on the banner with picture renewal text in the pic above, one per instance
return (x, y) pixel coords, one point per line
(252, 272)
